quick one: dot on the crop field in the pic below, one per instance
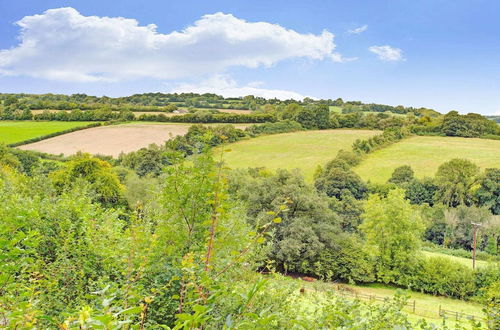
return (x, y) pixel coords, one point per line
(111, 140)
(17, 131)
(425, 153)
(304, 150)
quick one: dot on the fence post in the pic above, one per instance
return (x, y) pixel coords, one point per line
(414, 306)
(457, 316)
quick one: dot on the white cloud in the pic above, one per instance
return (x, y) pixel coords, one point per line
(227, 87)
(387, 53)
(358, 30)
(62, 44)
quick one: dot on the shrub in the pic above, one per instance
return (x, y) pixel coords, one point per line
(439, 275)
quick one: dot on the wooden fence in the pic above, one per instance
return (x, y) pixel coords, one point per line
(412, 306)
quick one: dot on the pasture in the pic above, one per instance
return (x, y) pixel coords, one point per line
(304, 150)
(464, 261)
(425, 153)
(426, 305)
(111, 140)
(17, 131)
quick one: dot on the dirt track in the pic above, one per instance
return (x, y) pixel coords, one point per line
(110, 140)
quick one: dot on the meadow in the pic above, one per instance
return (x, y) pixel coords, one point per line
(426, 306)
(304, 150)
(17, 131)
(425, 153)
(463, 261)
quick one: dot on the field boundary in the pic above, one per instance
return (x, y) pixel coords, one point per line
(412, 306)
(51, 135)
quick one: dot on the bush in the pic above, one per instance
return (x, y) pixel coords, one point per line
(283, 126)
(439, 275)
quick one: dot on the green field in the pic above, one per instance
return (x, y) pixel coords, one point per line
(425, 153)
(334, 108)
(464, 261)
(305, 150)
(426, 306)
(17, 131)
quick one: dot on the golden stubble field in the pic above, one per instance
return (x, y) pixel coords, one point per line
(111, 140)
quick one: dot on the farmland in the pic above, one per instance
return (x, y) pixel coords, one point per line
(425, 153)
(111, 140)
(17, 131)
(303, 150)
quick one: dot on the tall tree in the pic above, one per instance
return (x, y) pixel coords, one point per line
(488, 194)
(393, 229)
(455, 180)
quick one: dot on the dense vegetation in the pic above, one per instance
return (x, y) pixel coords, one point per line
(205, 108)
(150, 240)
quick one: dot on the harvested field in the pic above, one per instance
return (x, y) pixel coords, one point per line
(111, 140)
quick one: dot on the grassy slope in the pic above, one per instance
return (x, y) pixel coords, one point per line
(464, 261)
(427, 306)
(16, 131)
(305, 150)
(426, 153)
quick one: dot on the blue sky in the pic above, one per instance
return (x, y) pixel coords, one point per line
(431, 53)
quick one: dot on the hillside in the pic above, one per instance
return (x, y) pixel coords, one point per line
(304, 150)
(425, 153)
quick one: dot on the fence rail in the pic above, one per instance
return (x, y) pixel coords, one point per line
(412, 305)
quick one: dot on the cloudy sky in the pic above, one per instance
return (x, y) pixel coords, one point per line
(443, 54)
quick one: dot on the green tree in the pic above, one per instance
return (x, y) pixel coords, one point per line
(335, 180)
(7, 158)
(421, 191)
(98, 173)
(393, 228)
(491, 245)
(488, 194)
(455, 181)
(402, 175)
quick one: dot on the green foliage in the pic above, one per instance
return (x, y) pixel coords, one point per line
(492, 305)
(470, 125)
(438, 275)
(98, 173)
(393, 229)
(335, 180)
(308, 238)
(146, 161)
(313, 117)
(421, 191)
(402, 175)
(283, 126)
(455, 182)
(488, 194)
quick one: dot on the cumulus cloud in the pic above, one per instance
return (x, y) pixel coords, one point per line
(62, 44)
(226, 86)
(358, 30)
(387, 53)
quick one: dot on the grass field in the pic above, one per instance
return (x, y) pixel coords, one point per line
(425, 153)
(336, 109)
(426, 306)
(464, 261)
(17, 131)
(305, 150)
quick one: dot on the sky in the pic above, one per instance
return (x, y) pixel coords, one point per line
(440, 54)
